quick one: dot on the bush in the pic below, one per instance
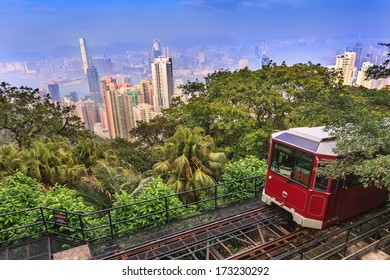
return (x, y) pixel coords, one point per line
(18, 192)
(239, 170)
(150, 209)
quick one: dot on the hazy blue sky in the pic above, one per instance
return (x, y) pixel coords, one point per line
(37, 25)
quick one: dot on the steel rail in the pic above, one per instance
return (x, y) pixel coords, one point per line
(228, 236)
(323, 239)
(202, 232)
(273, 247)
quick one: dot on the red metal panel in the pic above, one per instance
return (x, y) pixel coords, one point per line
(358, 199)
(317, 205)
(278, 187)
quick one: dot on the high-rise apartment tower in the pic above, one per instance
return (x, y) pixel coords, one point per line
(162, 80)
(346, 63)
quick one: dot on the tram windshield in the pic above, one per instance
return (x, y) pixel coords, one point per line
(292, 163)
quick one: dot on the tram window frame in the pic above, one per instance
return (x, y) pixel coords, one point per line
(354, 180)
(321, 187)
(292, 163)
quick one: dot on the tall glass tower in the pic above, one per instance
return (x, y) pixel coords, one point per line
(156, 48)
(94, 85)
(54, 91)
(84, 54)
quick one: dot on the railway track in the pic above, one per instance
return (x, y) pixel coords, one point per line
(187, 243)
(266, 233)
(350, 240)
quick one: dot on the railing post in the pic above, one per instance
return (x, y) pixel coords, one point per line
(111, 227)
(215, 197)
(346, 241)
(166, 210)
(44, 220)
(82, 227)
(256, 186)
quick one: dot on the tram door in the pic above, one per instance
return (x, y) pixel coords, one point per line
(335, 191)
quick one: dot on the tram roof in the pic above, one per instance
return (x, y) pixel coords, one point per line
(313, 139)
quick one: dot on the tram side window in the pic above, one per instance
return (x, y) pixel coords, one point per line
(321, 183)
(292, 163)
(354, 180)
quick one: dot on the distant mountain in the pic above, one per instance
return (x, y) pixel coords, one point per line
(63, 51)
(72, 51)
(56, 52)
(117, 48)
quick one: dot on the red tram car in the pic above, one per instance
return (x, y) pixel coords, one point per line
(314, 201)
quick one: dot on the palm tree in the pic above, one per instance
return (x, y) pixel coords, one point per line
(106, 180)
(9, 155)
(188, 162)
(50, 162)
(88, 152)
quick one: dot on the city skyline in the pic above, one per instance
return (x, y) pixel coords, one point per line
(297, 30)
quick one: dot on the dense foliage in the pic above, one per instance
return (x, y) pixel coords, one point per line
(228, 118)
(238, 170)
(188, 161)
(380, 71)
(240, 109)
(26, 116)
(149, 208)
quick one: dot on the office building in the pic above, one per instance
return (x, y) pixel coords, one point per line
(103, 65)
(156, 49)
(74, 96)
(84, 54)
(86, 111)
(94, 85)
(54, 91)
(357, 49)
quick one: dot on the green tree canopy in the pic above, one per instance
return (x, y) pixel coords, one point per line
(364, 140)
(240, 109)
(380, 71)
(26, 116)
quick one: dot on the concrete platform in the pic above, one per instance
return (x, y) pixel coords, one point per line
(77, 253)
(378, 255)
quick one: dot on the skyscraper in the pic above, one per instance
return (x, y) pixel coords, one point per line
(162, 79)
(74, 96)
(54, 91)
(358, 50)
(84, 54)
(102, 64)
(86, 111)
(156, 48)
(201, 60)
(264, 58)
(94, 85)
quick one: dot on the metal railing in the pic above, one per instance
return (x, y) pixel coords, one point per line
(113, 222)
